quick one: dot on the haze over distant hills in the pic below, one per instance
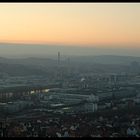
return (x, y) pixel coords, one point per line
(12, 50)
(101, 59)
(23, 59)
(107, 59)
(41, 66)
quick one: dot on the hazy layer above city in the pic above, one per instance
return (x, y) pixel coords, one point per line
(11, 50)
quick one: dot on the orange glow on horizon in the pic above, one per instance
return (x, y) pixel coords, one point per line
(70, 24)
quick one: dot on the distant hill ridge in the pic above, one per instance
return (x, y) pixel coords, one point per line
(107, 59)
(101, 59)
(43, 66)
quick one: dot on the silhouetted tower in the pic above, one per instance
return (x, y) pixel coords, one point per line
(58, 57)
(58, 66)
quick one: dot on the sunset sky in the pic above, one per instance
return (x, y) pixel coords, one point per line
(71, 23)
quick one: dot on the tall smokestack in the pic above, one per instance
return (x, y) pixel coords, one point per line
(58, 57)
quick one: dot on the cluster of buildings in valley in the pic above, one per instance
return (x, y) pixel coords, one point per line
(69, 91)
(15, 81)
(69, 100)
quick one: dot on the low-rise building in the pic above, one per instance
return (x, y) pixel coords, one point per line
(12, 107)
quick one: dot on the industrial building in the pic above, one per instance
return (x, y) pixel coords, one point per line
(12, 107)
(77, 102)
